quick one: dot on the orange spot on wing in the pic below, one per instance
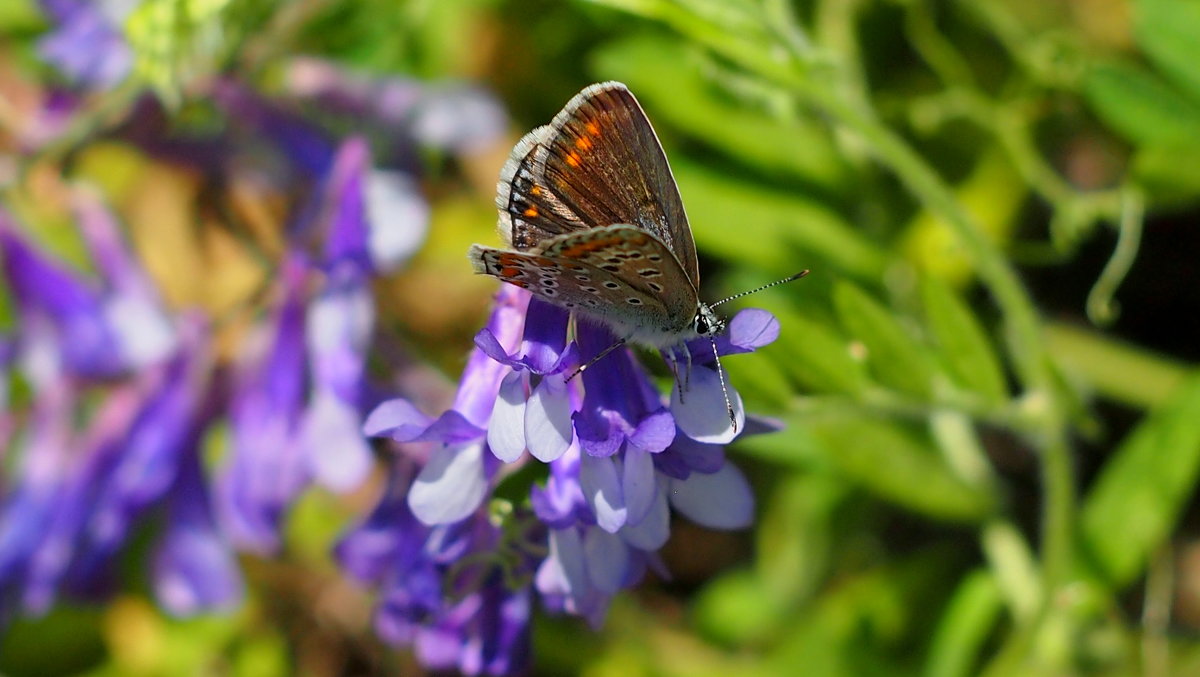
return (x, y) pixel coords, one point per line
(577, 250)
(573, 159)
(510, 272)
(536, 190)
(592, 128)
(583, 143)
(530, 213)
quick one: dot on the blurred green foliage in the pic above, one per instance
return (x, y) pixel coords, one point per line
(949, 496)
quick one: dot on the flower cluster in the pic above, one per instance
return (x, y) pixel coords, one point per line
(125, 390)
(619, 458)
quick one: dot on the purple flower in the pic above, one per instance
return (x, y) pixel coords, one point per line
(455, 478)
(86, 43)
(455, 117)
(194, 568)
(267, 467)
(453, 592)
(619, 458)
(99, 333)
(533, 407)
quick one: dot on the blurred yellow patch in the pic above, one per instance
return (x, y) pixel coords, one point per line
(992, 194)
(135, 634)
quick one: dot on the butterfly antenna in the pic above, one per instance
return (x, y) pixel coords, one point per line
(724, 388)
(790, 278)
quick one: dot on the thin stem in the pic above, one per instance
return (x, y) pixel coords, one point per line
(1100, 305)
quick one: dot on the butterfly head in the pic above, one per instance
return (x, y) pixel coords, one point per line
(707, 322)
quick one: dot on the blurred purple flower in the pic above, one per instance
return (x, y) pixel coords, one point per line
(266, 468)
(86, 43)
(454, 117)
(194, 567)
(101, 331)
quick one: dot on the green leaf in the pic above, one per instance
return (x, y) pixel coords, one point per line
(768, 229)
(738, 608)
(1169, 171)
(964, 348)
(18, 16)
(177, 41)
(1169, 32)
(795, 534)
(1142, 490)
(669, 79)
(901, 467)
(965, 625)
(817, 357)
(1140, 106)
(880, 456)
(893, 354)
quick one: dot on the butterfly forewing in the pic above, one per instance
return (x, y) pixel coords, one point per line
(529, 211)
(598, 163)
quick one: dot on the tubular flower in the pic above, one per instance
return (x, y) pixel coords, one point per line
(620, 457)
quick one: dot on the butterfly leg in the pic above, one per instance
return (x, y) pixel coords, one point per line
(674, 362)
(599, 356)
(687, 374)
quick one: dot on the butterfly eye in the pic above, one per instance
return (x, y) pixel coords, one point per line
(707, 323)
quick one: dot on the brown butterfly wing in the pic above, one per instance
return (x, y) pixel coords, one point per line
(598, 163)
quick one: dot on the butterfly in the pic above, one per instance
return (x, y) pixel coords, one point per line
(593, 213)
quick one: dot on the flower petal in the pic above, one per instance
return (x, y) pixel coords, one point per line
(450, 486)
(548, 427)
(486, 341)
(338, 455)
(506, 429)
(638, 483)
(564, 571)
(721, 500)
(655, 432)
(601, 484)
(652, 532)
(607, 559)
(752, 328)
(397, 419)
(545, 336)
(398, 217)
(702, 414)
(194, 568)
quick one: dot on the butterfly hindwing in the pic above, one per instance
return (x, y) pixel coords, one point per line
(635, 258)
(576, 286)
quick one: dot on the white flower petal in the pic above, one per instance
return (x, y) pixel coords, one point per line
(450, 486)
(607, 559)
(702, 414)
(399, 218)
(506, 429)
(652, 531)
(338, 455)
(548, 426)
(601, 484)
(722, 500)
(637, 483)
